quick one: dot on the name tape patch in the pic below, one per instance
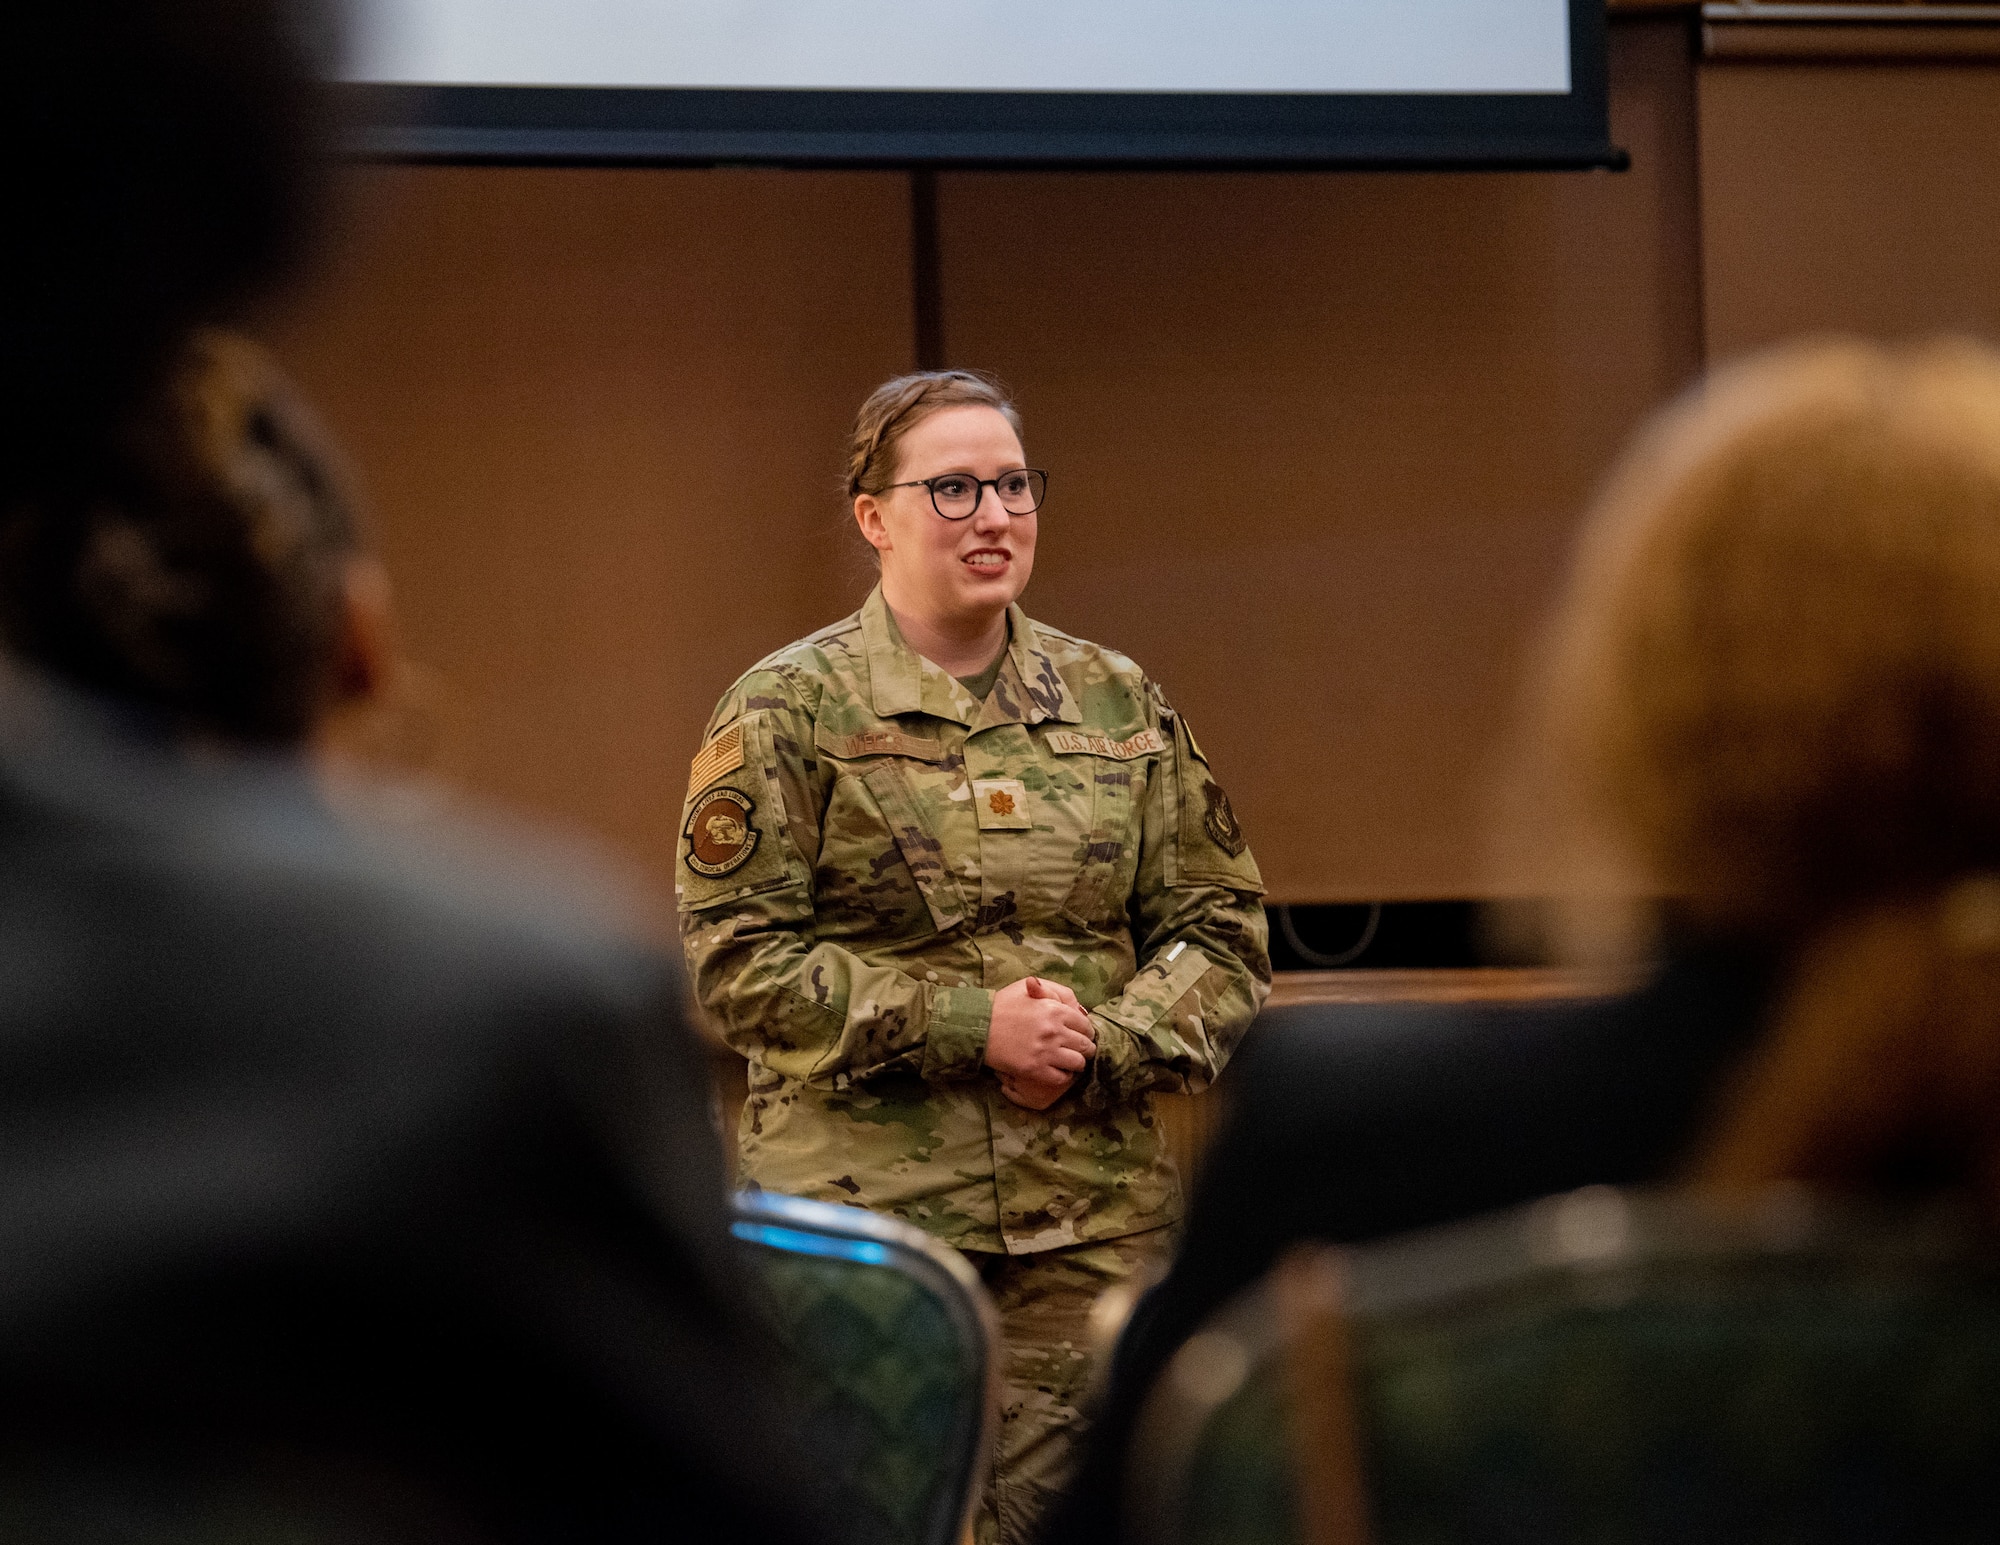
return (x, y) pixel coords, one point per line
(879, 743)
(1069, 743)
(720, 757)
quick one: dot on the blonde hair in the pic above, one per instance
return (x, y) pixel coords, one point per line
(1777, 676)
(896, 407)
(1882, 1067)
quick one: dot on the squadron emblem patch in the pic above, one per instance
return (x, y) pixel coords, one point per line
(1221, 821)
(719, 835)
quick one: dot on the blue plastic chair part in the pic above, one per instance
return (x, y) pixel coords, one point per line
(890, 1338)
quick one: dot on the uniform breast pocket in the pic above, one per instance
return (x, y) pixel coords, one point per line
(1107, 856)
(884, 873)
(917, 840)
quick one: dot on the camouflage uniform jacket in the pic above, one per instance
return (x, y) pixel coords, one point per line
(868, 853)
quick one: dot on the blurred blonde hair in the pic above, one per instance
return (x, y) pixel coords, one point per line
(1776, 682)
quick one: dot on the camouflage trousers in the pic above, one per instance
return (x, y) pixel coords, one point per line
(1044, 1302)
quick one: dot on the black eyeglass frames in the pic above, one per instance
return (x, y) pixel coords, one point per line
(956, 495)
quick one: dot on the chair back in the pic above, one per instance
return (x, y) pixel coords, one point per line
(890, 1339)
(1602, 1367)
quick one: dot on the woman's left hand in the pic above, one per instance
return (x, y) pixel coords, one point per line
(1035, 1094)
(1038, 1085)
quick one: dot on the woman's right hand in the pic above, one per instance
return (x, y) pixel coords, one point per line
(1039, 1040)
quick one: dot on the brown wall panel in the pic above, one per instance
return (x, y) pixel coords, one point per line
(599, 414)
(1318, 444)
(1851, 197)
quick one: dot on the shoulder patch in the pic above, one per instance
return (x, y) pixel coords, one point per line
(719, 834)
(1221, 819)
(1070, 743)
(720, 757)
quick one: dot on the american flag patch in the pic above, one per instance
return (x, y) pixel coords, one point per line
(720, 756)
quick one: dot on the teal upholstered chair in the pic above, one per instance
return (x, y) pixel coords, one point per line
(891, 1339)
(1605, 1367)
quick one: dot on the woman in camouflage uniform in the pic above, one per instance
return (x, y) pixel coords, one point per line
(964, 892)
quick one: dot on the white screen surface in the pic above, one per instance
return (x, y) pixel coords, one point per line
(1358, 46)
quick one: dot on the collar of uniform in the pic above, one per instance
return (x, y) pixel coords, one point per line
(899, 679)
(1029, 688)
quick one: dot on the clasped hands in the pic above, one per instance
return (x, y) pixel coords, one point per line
(1040, 1039)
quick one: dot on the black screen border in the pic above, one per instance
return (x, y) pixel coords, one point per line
(563, 125)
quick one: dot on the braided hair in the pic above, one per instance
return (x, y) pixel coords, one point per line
(896, 407)
(202, 574)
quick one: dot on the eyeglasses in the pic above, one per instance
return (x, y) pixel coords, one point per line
(956, 495)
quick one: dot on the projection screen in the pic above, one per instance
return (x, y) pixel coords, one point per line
(985, 82)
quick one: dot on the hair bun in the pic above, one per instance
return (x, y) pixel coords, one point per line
(202, 572)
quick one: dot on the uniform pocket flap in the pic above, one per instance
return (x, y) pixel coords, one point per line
(922, 853)
(1167, 978)
(1209, 846)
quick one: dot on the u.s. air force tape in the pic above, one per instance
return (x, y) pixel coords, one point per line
(1069, 743)
(719, 835)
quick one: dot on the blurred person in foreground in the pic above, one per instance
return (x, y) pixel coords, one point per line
(1773, 694)
(346, 1192)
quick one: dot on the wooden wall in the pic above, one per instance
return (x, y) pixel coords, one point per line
(1852, 197)
(1318, 443)
(597, 413)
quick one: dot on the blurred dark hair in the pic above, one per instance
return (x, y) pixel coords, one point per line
(171, 530)
(203, 575)
(161, 169)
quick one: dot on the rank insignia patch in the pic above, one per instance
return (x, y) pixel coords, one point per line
(1001, 805)
(1221, 821)
(719, 835)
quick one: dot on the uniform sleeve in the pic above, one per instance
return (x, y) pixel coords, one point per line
(1202, 940)
(749, 846)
